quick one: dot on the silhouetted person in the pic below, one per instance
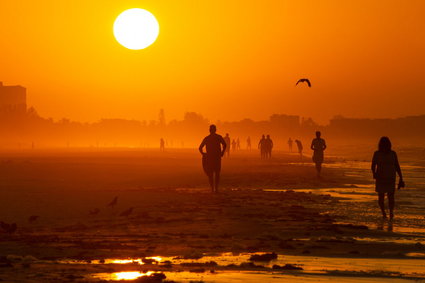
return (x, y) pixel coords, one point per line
(161, 145)
(234, 145)
(290, 143)
(248, 143)
(300, 147)
(318, 145)
(228, 144)
(211, 160)
(384, 168)
(238, 144)
(262, 146)
(269, 147)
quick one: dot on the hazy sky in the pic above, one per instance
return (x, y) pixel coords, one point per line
(225, 59)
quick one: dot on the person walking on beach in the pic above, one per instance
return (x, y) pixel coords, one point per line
(290, 143)
(318, 145)
(300, 148)
(384, 168)
(262, 146)
(162, 145)
(248, 143)
(269, 147)
(227, 140)
(233, 145)
(211, 159)
(238, 144)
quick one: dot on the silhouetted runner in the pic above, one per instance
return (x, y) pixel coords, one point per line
(318, 145)
(228, 144)
(384, 168)
(211, 160)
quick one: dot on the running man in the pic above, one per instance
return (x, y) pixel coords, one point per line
(211, 160)
(318, 145)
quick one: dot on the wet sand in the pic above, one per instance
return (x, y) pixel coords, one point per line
(276, 205)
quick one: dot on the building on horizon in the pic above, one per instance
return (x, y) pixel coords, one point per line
(13, 99)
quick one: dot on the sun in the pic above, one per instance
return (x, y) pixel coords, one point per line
(136, 29)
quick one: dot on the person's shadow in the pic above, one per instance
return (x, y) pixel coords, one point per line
(381, 225)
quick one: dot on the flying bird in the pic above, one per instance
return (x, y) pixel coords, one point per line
(113, 202)
(127, 212)
(304, 81)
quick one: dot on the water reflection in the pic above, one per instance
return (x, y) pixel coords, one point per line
(128, 275)
(225, 271)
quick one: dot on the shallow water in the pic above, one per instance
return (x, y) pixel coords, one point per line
(264, 277)
(318, 269)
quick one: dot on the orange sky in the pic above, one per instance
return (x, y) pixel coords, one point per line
(225, 59)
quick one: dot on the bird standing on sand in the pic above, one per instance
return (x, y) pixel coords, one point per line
(33, 218)
(304, 81)
(94, 211)
(8, 228)
(114, 202)
(127, 212)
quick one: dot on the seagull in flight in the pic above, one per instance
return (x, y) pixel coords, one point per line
(304, 81)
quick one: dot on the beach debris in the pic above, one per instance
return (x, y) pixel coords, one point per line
(287, 266)
(263, 257)
(193, 254)
(8, 228)
(304, 80)
(153, 278)
(127, 212)
(114, 202)
(33, 218)
(199, 264)
(149, 261)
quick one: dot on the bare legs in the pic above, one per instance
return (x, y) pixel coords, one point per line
(214, 180)
(381, 202)
(318, 168)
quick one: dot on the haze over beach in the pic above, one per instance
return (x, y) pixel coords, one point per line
(248, 54)
(199, 141)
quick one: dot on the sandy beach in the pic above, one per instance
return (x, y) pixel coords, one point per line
(165, 210)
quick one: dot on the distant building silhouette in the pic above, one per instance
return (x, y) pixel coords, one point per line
(13, 99)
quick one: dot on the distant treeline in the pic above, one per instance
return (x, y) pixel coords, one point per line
(30, 129)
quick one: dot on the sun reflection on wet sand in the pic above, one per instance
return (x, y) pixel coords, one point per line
(128, 275)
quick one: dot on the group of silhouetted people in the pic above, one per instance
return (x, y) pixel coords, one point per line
(265, 145)
(385, 165)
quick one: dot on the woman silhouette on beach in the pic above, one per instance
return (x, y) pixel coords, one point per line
(384, 168)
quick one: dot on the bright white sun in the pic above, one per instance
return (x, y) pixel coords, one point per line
(136, 29)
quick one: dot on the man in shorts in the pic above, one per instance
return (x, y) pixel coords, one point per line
(211, 159)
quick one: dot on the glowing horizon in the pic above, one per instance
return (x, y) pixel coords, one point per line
(364, 59)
